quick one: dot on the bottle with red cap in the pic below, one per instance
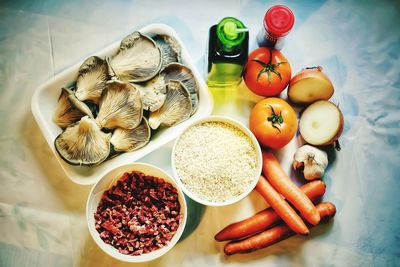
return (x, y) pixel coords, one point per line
(278, 22)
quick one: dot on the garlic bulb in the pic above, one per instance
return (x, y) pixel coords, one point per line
(313, 160)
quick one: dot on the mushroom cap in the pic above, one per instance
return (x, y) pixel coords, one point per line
(120, 106)
(180, 72)
(83, 143)
(65, 113)
(124, 140)
(77, 103)
(176, 108)
(137, 60)
(171, 49)
(91, 80)
(153, 93)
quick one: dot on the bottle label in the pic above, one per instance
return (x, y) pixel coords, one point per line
(265, 39)
(270, 38)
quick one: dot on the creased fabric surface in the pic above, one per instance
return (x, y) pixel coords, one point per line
(42, 213)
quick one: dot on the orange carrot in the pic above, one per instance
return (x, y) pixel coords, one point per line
(326, 210)
(263, 219)
(249, 226)
(314, 190)
(275, 234)
(259, 241)
(281, 207)
(284, 186)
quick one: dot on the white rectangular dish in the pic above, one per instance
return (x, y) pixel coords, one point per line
(46, 96)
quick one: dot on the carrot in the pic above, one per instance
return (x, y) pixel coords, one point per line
(249, 226)
(259, 241)
(314, 190)
(326, 210)
(275, 234)
(284, 186)
(281, 207)
(263, 219)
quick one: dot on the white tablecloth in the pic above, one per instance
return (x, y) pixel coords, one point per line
(42, 213)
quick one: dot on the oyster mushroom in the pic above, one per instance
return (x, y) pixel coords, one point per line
(177, 71)
(176, 108)
(83, 143)
(120, 106)
(171, 49)
(125, 140)
(91, 81)
(69, 109)
(65, 113)
(77, 103)
(153, 92)
(137, 60)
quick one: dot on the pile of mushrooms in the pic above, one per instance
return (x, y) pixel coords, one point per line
(116, 101)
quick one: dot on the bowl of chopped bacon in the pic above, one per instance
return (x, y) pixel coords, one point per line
(136, 212)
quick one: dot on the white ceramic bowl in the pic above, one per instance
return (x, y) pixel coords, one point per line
(45, 99)
(109, 180)
(246, 192)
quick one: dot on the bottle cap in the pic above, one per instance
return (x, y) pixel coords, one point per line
(231, 33)
(230, 30)
(278, 20)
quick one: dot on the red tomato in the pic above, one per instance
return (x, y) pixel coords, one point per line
(267, 72)
(273, 122)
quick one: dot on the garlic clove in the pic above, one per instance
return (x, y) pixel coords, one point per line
(313, 171)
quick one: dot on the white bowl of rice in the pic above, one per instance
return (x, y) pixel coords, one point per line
(216, 161)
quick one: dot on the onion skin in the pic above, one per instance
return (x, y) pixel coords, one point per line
(309, 73)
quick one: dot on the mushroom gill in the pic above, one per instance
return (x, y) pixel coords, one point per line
(176, 108)
(83, 143)
(137, 60)
(124, 140)
(120, 106)
(91, 80)
(69, 109)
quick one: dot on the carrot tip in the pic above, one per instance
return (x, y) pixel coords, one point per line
(305, 232)
(228, 251)
(323, 184)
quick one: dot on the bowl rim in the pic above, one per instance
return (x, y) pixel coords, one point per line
(135, 166)
(245, 130)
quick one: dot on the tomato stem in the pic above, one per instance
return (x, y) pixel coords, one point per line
(269, 67)
(275, 118)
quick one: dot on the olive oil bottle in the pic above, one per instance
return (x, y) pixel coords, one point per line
(228, 47)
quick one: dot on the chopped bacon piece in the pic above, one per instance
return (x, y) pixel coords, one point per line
(138, 215)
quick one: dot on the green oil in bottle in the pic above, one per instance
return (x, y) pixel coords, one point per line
(228, 48)
(227, 52)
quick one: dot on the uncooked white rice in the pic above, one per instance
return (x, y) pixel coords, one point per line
(215, 161)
